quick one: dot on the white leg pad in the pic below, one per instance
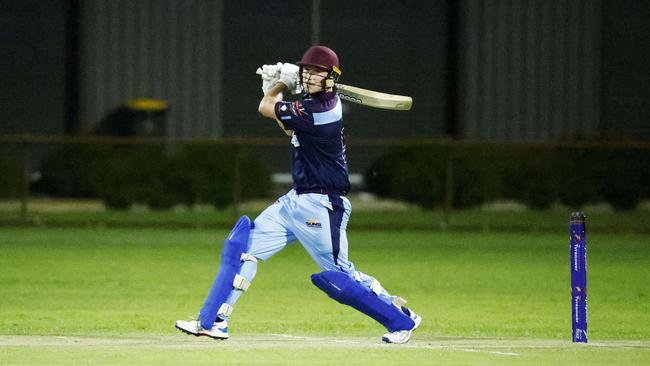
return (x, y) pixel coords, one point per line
(241, 283)
(225, 310)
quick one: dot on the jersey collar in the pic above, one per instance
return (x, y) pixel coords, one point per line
(322, 95)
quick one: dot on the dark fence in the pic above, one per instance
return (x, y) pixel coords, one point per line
(123, 171)
(461, 175)
(162, 172)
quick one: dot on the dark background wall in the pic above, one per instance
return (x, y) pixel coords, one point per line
(163, 49)
(255, 34)
(398, 49)
(32, 66)
(529, 70)
(625, 100)
(502, 70)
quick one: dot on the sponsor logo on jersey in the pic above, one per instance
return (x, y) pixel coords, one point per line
(313, 223)
(297, 109)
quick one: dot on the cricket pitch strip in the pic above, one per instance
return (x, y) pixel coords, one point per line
(504, 347)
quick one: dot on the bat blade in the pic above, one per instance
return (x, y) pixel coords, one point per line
(374, 99)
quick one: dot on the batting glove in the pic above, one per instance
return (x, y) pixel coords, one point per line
(289, 77)
(270, 75)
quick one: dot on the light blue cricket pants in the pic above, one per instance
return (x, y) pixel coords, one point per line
(318, 222)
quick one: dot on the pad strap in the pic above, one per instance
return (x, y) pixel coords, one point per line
(225, 310)
(399, 302)
(375, 286)
(248, 257)
(240, 282)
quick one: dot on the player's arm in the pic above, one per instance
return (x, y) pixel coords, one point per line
(267, 104)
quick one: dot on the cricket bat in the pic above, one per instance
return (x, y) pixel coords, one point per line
(374, 99)
(370, 98)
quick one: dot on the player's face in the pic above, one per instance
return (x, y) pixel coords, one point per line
(312, 79)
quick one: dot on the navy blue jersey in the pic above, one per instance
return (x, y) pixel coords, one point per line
(318, 156)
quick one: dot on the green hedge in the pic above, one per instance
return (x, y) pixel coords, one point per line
(535, 175)
(11, 171)
(155, 175)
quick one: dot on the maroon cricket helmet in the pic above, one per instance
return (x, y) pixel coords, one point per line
(321, 57)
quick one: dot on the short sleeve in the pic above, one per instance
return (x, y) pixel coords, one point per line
(293, 115)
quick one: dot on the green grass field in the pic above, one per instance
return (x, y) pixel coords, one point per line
(368, 215)
(111, 296)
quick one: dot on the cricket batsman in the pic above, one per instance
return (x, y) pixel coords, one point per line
(314, 212)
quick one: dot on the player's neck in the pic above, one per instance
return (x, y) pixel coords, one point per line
(321, 92)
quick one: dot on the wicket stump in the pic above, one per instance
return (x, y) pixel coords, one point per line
(578, 277)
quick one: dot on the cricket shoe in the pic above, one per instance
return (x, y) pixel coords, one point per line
(403, 336)
(219, 329)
